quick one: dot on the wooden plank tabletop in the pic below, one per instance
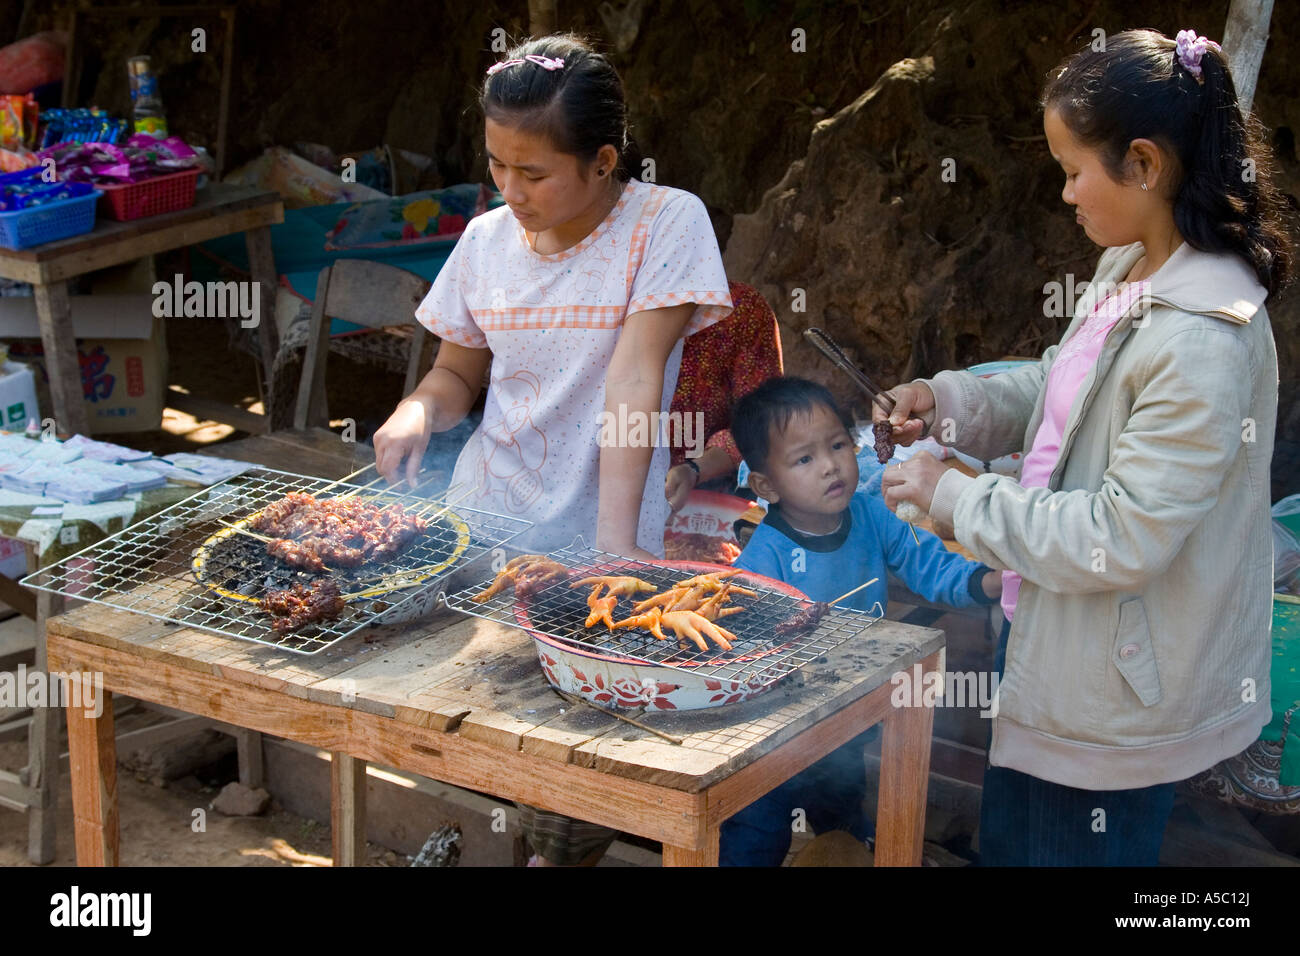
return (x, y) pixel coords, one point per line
(216, 199)
(458, 674)
(219, 210)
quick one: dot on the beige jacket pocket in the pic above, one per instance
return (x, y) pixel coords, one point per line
(1133, 654)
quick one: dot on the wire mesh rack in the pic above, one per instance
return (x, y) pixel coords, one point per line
(761, 654)
(191, 565)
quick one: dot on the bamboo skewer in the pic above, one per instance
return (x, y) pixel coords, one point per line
(442, 500)
(360, 488)
(460, 497)
(851, 593)
(238, 530)
(635, 723)
(346, 477)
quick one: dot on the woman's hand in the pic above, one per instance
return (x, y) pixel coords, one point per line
(681, 481)
(913, 414)
(913, 480)
(443, 397)
(404, 436)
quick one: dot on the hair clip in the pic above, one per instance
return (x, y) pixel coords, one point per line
(545, 62)
(1190, 48)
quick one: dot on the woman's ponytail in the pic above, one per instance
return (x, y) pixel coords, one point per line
(1226, 199)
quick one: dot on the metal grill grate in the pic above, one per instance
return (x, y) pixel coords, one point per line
(760, 656)
(185, 565)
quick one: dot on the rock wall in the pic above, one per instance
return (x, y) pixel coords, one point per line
(831, 189)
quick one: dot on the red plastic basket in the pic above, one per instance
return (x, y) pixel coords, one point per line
(169, 193)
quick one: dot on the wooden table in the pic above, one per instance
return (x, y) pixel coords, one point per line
(463, 700)
(219, 211)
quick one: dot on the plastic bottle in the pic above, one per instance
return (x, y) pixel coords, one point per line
(146, 103)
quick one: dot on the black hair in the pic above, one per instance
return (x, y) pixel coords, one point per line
(579, 107)
(769, 408)
(1136, 88)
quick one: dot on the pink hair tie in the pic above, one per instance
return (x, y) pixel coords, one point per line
(1190, 48)
(545, 62)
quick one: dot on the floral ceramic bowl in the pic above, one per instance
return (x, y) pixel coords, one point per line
(616, 680)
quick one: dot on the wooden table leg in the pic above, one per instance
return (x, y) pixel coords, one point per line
(54, 314)
(707, 855)
(348, 809)
(261, 266)
(43, 748)
(252, 768)
(92, 753)
(904, 782)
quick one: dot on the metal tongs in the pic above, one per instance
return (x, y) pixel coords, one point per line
(823, 343)
(826, 345)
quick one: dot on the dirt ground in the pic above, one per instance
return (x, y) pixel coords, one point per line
(202, 363)
(157, 828)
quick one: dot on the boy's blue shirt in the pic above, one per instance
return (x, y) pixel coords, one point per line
(870, 541)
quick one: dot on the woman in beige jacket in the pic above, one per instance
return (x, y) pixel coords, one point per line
(1136, 543)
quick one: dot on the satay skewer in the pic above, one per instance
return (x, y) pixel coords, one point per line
(635, 723)
(448, 503)
(346, 477)
(239, 530)
(360, 488)
(851, 593)
(442, 499)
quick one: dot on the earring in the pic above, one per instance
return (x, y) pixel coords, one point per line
(1144, 187)
(601, 172)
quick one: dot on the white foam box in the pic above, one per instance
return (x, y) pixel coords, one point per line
(122, 350)
(17, 396)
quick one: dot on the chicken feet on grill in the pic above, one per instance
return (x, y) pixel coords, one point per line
(622, 586)
(649, 620)
(526, 573)
(601, 607)
(692, 625)
(713, 582)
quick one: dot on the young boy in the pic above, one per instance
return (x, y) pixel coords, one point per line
(822, 538)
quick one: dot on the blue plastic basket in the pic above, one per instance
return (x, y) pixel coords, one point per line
(25, 228)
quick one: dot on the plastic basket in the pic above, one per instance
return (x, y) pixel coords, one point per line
(152, 197)
(24, 228)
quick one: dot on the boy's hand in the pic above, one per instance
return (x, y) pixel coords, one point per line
(992, 584)
(911, 402)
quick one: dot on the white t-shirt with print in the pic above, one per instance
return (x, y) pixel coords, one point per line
(552, 322)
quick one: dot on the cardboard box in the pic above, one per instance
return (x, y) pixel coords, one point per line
(18, 403)
(121, 347)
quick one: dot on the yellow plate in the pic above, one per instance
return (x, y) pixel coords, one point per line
(408, 579)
